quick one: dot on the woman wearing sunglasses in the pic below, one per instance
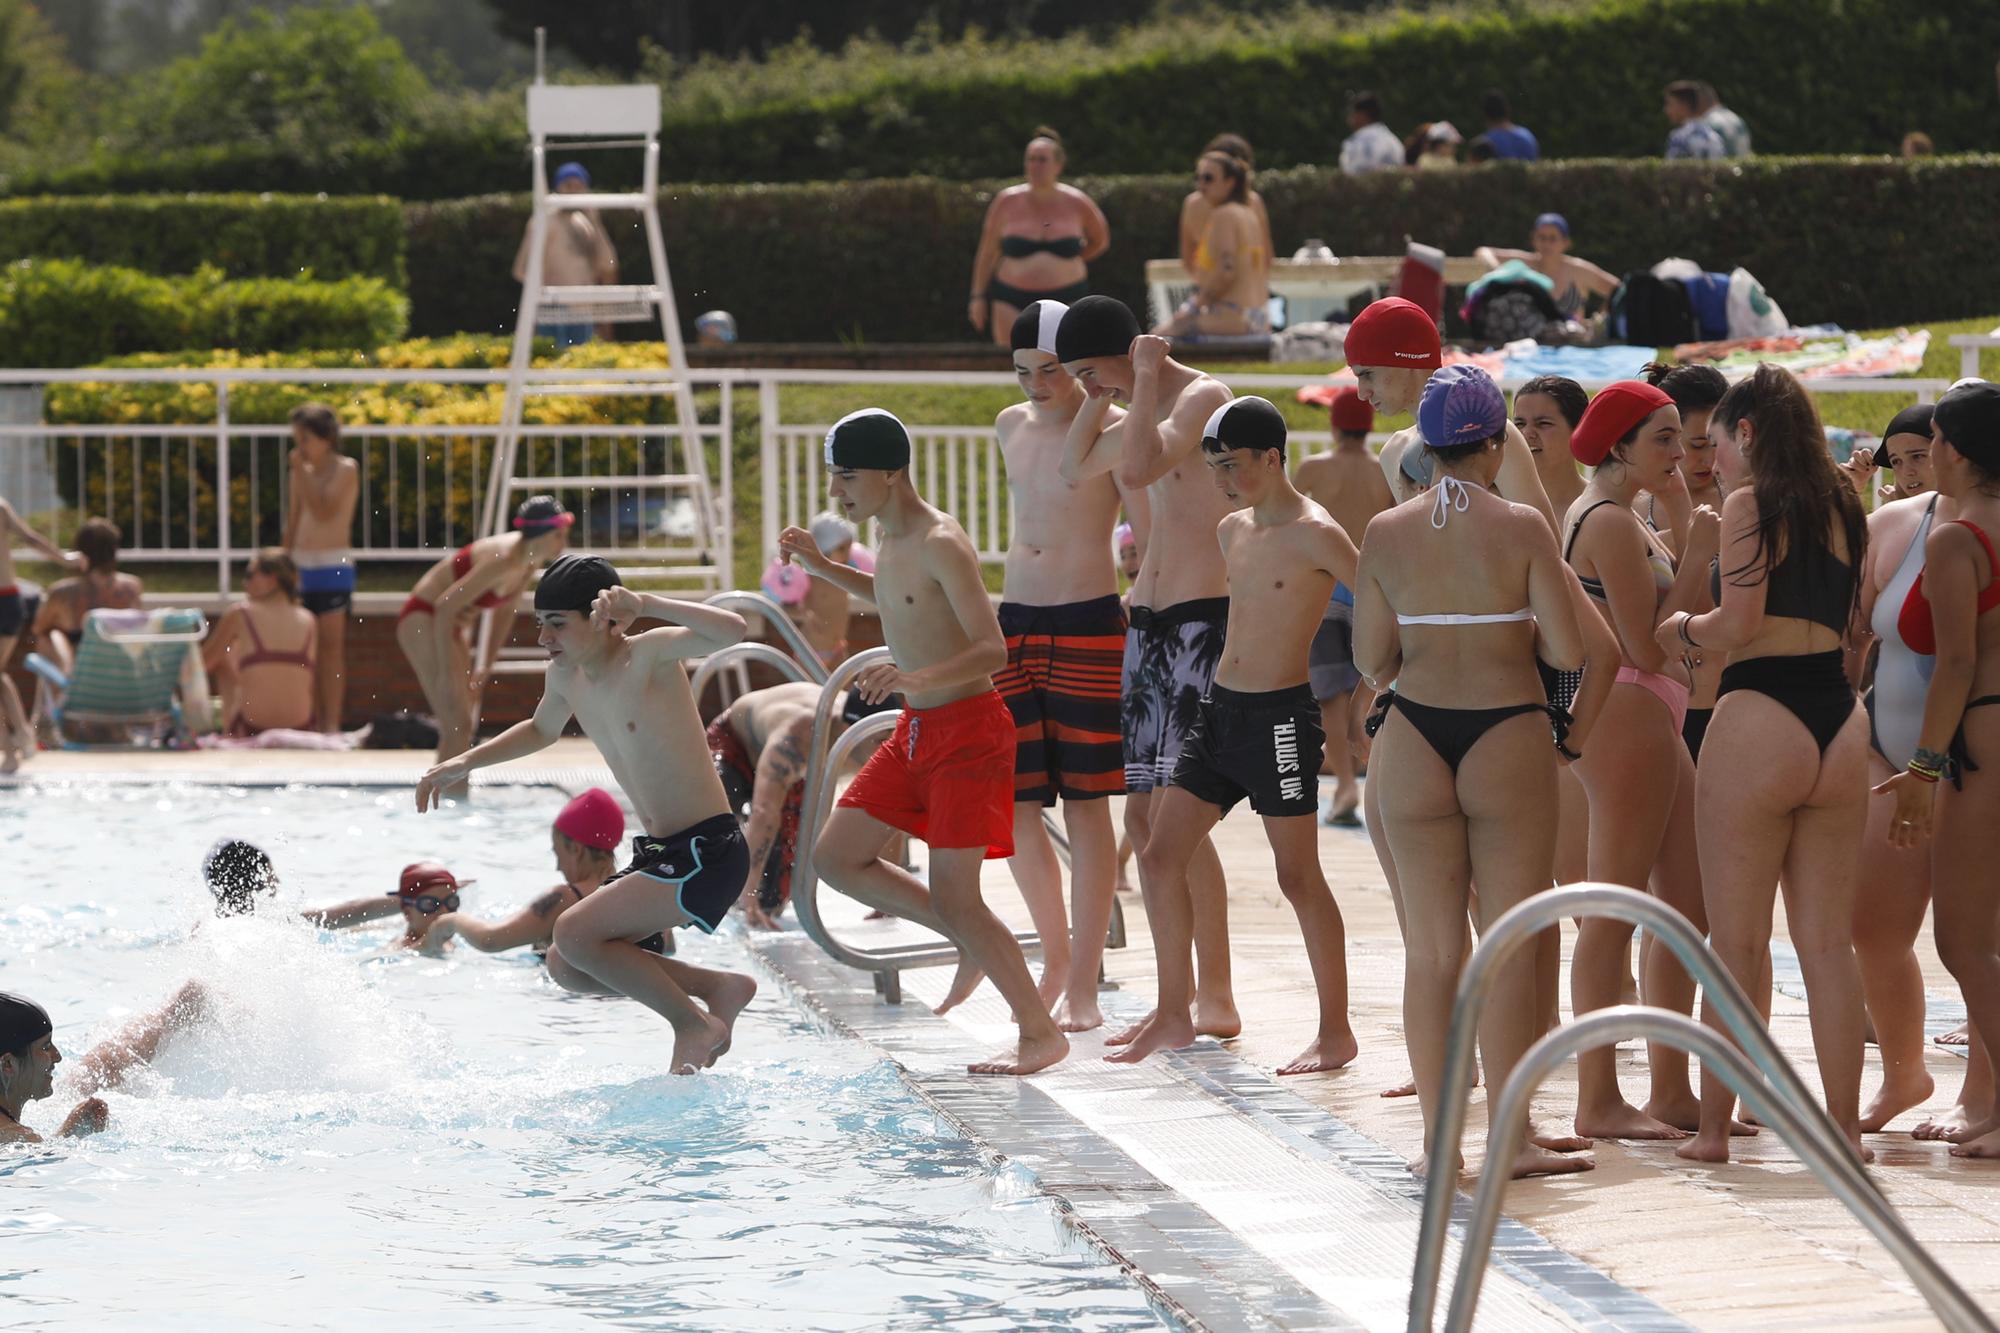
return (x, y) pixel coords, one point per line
(262, 652)
(1232, 264)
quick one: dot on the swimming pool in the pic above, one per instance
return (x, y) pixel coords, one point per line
(363, 1137)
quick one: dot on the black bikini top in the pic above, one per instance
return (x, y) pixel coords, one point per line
(1020, 247)
(1813, 584)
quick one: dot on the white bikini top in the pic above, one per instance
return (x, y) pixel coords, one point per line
(1453, 494)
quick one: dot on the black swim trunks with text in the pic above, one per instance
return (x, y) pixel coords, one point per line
(707, 865)
(1266, 746)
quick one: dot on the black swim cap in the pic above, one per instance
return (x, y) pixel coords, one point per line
(22, 1024)
(868, 440)
(1096, 326)
(1969, 416)
(540, 514)
(236, 872)
(1244, 423)
(573, 582)
(1035, 327)
(1911, 421)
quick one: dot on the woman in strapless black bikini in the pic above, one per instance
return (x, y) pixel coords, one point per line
(1782, 789)
(1037, 242)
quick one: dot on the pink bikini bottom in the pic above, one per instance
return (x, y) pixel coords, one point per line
(1665, 688)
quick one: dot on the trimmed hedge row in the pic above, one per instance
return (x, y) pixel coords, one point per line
(243, 235)
(58, 312)
(1586, 80)
(1863, 242)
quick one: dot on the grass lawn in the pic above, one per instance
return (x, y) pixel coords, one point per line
(976, 406)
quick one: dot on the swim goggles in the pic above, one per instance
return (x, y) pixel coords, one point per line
(428, 903)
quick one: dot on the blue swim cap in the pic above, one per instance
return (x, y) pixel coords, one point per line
(1556, 220)
(1461, 405)
(572, 171)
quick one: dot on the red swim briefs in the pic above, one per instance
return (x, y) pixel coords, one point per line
(945, 775)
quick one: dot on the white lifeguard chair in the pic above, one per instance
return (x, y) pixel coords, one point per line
(591, 118)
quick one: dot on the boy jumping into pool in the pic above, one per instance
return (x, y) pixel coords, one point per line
(630, 695)
(1257, 732)
(946, 775)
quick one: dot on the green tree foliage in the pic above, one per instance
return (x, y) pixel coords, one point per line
(322, 76)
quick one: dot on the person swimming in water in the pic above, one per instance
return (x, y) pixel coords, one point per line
(29, 1057)
(585, 838)
(630, 694)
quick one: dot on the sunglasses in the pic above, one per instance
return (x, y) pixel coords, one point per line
(1206, 178)
(428, 903)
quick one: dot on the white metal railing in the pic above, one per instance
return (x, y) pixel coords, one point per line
(1969, 346)
(174, 488)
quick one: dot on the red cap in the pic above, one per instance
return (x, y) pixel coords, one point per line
(1394, 332)
(426, 877)
(1612, 415)
(593, 819)
(1351, 412)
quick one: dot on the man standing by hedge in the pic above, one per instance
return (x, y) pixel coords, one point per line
(1691, 137)
(578, 253)
(1373, 146)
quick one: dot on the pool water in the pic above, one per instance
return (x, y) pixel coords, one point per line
(362, 1137)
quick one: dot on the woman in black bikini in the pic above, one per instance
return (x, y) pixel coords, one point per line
(1639, 778)
(1467, 793)
(1037, 242)
(1783, 789)
(1954, 611)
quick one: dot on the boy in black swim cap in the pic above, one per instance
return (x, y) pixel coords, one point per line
(629, 693)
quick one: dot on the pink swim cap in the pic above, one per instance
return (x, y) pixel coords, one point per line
(593, 819)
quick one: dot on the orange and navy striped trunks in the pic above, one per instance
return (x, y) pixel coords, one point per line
(1061, 683)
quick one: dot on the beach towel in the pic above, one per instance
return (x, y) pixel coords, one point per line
(1514, 363)
(1848, 355)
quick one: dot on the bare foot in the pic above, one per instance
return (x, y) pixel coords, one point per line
(10, 760)
(1054, 982)
(1533, 1160)
(1079, 1015)
(963, 982)
(1544, 1135)
(730, 999)
(1958, 1036)
(1028, 1056)
(1407, 1088)
(1705, 1148)
(1896, 1097)
(1687, 1115)
(694, 1045)
(1625, 1121)
(1420, 1166)
(1975, 1130)
(1125, 1035)
(1217, 1018)
(1157, 1034)
(1328, 1051)
(1986, 1145)
(1947, 1128)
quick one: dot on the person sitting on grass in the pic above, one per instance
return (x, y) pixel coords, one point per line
(28, 1059)
(630, 694)
(585, 838)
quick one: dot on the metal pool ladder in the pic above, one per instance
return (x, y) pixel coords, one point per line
(823, 761)
(803, 664)
(1766, 1081)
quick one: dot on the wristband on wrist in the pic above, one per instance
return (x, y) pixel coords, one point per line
(1682, 630)
(1923, 774)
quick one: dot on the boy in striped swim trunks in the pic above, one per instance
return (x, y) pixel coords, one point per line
(1065, 631)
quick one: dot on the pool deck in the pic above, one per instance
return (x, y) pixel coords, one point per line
(1244, 1201)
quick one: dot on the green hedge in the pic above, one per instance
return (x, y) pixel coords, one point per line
(1586, 79)
(58, 312)
(244, 235)
(888, 261)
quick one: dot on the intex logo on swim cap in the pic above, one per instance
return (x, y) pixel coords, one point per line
(1412, 356)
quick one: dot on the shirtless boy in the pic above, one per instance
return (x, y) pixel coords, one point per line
(1180, 601)
(17, 739)
(1349, 486)
(1065, 628)
(324, 485)
(629, 693)
(945, 774)
(1258, 731)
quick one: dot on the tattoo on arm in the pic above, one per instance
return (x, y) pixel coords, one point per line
(548, 904)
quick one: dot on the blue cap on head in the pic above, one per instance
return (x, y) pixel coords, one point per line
(1461, 405)
(1556, 220)
(569, 171)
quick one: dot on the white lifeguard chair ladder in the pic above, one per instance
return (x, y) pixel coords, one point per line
(601, 117)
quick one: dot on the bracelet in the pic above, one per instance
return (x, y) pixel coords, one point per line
(1923, 774)
(1682, 630)
(1928, 765)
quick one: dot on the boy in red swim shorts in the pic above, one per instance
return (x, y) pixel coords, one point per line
(946, 775)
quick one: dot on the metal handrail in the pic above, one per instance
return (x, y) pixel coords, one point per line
(749, 651)
(744, 602)
(1833, 1164)
(1516, 927)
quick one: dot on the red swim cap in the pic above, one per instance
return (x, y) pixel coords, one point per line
(1394, 332)
(426, 877)
(593, 819)
(1352, 413)
(1612, 415)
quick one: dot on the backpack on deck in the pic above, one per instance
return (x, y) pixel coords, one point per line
(1647, 311)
